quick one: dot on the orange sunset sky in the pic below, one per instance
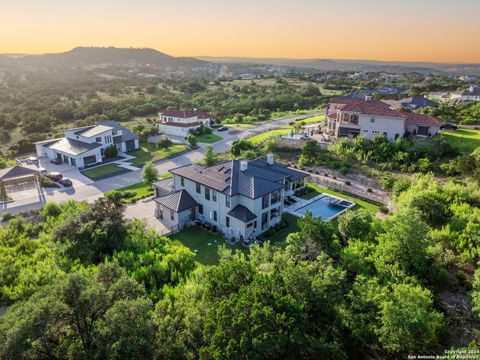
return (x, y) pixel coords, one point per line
(404, 30)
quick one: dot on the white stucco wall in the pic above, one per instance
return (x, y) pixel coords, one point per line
(382, 124)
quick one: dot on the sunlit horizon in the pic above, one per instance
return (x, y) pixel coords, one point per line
(416, 31)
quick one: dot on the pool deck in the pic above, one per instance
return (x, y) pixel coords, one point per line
(293, 209)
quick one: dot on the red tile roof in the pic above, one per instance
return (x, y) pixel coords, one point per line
(185, 125)
(347, 101)
(373, 107)
(185, 114)
(421, 119)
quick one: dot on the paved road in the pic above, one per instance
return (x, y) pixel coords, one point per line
(85, 189)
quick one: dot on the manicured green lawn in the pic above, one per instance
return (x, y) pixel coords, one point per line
(150, 152)
(141, 190)
(363, 204)
(269, 134)
(462, 139)
(203, 243)
(313, 119)
(103, 171)
(209, 138)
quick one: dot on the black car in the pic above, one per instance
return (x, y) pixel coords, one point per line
(55, 176)
(56, 161)
(222, 128)
(65, 182)
(448, 126)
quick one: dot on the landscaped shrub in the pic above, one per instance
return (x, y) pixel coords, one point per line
(111, 151)
(7, 216)
(347, 182)
(164, 142)
(51, 209)
(47, 182)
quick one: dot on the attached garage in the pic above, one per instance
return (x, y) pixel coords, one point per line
(130, 145)
(89, 160)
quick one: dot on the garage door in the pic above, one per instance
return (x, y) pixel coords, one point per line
(88, 160)
(130, 145)
(423, 130)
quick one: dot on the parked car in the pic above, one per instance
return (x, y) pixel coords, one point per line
(448, 126)
(32, 160)
(222, 128)
(65, 182)
(56, 161)
(43, 171)
(55, 175)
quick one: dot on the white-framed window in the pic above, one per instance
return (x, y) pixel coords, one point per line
(227, 201)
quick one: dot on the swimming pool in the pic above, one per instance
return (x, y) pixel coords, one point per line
(326, 207)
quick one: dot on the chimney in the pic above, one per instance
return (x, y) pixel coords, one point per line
(243, 165)
(270, 159)
(368, 97)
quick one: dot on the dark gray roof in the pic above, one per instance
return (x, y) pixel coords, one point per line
(177, 201)
(280, 169)
(73, 147)
(259, 179)
(17, 171)
(475, 92)
(126, 133)
(241, 213)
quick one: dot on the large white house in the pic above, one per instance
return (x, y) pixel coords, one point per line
(85, 146)
(242, 199)
(351, 117)
(181, 122)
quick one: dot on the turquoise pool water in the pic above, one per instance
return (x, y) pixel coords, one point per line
(326, 207)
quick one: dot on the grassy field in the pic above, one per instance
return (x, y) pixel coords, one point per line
(463, 139)
(361, 204)
(149, 152)
(313, 119)
(269, 134)
(241, 126)
(209, 138)
(203, 243)
(103, 171)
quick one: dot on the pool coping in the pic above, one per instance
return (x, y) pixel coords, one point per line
(292, 209)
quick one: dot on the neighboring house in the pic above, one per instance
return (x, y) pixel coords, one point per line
(181, 122)
(86, 145)
(471, 94)
(411, 103)
(242, 199)
(351, 117)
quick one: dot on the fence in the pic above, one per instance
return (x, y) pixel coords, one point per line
(371, 196)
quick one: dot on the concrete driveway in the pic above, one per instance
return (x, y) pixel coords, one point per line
(85, 189)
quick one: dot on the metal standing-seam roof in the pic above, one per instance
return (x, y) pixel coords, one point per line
(241, 213)
(73, 147)
(127, 135)
(260, 178)
(94, 130)
(16, 172)
(177, 201)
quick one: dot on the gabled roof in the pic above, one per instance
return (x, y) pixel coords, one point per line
(94, 130)
(241, 213)
(373, 107)
(421, 119)
(260, 178)
(177, 201)
(73, 147)
(184, 114)
(347, 100)
(17, 171)
(179, 124)
(127, 135)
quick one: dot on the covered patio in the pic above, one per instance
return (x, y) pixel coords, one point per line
(19, 179)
